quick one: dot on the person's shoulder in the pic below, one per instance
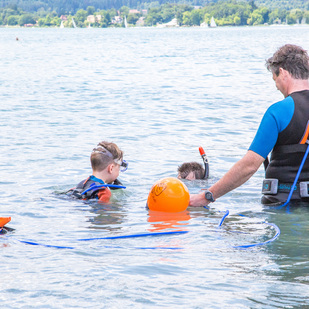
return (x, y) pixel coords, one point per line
(82, 183)
(283, 105)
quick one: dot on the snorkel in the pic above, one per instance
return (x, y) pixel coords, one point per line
(205, 160)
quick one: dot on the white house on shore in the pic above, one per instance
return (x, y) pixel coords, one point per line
(172, 23)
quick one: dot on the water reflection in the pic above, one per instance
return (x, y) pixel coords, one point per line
(290, 251)
(106, 216)
(167, 220)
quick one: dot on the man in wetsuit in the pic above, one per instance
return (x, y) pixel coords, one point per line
(106, 162)
(284, 130)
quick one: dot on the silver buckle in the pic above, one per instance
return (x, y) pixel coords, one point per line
(270, 186)
(304, 188)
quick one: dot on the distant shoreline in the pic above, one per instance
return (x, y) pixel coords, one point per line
(153, 27)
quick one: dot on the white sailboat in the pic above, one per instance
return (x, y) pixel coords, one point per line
(213, 23)
(125, 22)
(62, 25)
(73, 23)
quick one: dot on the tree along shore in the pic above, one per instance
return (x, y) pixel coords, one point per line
(231, 13)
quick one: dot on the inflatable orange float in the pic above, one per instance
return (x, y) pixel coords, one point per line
(169, 195)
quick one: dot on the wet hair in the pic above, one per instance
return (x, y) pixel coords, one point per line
(104, 154)
(291, 58)
(185, 168)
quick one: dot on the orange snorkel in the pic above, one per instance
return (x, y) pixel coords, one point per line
(205, 160)
(4, 221)
(4, 229)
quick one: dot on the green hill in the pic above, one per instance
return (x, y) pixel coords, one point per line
(284, 4)
(72, 6)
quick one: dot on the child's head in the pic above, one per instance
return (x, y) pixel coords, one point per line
(191, 171)
(108, 156)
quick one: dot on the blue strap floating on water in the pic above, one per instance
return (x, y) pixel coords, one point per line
(135, 235)
(256, 244)
(262, 243)
(44, 245)
(108, 247)
(153, 234)
(224, 216)
(113, 237)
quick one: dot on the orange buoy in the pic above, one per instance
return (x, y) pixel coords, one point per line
(169, 195)
(4, 221)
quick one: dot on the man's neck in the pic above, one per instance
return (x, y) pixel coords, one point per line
(298, 85)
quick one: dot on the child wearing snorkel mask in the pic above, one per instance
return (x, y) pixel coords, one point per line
(106, 162)
(191, 171)
(194, 170)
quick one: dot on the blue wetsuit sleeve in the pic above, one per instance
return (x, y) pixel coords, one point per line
(275, 120)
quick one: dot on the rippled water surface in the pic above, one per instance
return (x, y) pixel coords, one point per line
(159, 94)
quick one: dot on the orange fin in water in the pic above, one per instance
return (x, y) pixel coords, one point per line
(4, 221)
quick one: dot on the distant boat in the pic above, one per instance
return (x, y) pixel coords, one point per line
(89, 26)
(213, 23)
(125, 22)
(73, 23)
(62, 25)
(204, 25)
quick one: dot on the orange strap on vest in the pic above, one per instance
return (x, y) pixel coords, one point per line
(104, 195)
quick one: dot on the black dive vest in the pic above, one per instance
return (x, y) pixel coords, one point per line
(84, 185)
(288, 153)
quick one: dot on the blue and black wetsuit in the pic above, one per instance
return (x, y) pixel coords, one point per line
(284, 129)
(102, 194)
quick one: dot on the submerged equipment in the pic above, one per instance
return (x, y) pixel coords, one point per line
(205, 160)
(271, 187)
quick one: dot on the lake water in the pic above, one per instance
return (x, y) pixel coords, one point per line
(159, 94)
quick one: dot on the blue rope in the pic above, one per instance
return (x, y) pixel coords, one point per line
(103, 186)
(135, 235)
(262, 243)
(153, 234)
(66, 247)
(112, 237)
(224, 216)
(38, 244)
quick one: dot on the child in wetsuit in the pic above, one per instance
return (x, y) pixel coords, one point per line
(106, 162)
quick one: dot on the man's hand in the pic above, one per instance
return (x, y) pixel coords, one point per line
(198, 200)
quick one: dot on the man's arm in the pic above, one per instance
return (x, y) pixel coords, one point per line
(240, 172)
